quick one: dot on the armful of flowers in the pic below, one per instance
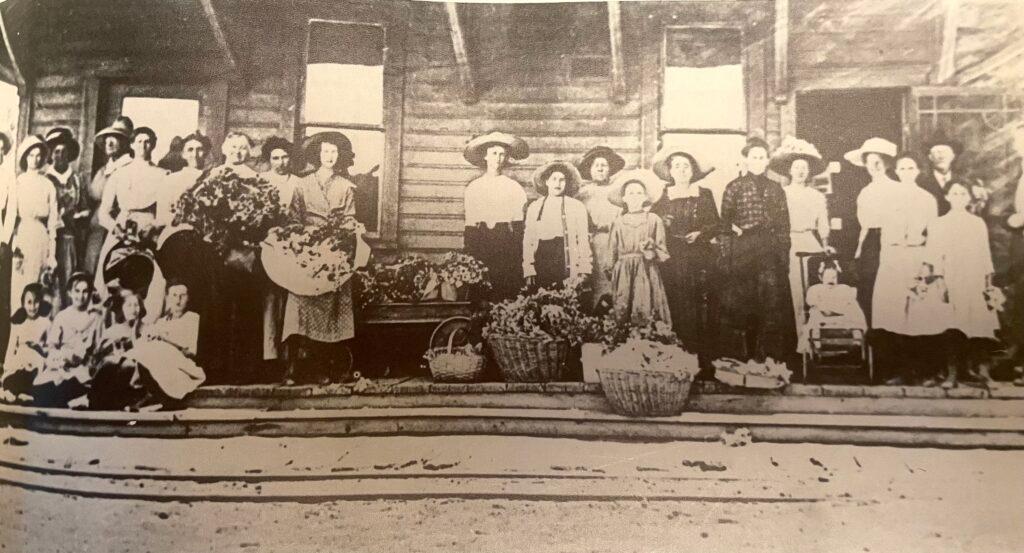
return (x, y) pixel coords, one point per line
(459, 269)
(326, 248)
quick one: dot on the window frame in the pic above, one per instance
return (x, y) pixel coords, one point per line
(386, 235)
(666, 31)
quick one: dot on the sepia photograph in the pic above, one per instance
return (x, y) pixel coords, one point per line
(297, 276)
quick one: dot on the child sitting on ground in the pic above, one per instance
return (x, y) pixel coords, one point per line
(26, 353)
(831, 305)
(71, 343)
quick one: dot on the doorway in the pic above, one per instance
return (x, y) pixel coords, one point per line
(837, 121)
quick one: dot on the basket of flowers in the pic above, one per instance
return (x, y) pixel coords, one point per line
(231, 213)
(530, 335)
(456, 364)
(769, 375)
(460, 274)
(310, 260)
(645, 372)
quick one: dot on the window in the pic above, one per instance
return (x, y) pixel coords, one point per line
(168, 117)
(703, 98)
(345, 92)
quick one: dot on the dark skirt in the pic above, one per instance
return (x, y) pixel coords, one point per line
(5, 298)
(549, 261)
(757, 308)
(690, 281)
(867, 270)
(500, 250)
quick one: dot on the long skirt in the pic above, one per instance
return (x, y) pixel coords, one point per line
(67, 264)
(549, 261)
(639, 290)
(90, 256)
(867, 271)
(184, 257)
(240, 322)
(175, 374)
(891, 305)
(33, 240)
(693, 299)
(600, 284)
(6, 295)
(325, 318)
(275, 300)
(757, 308)
(500, 250)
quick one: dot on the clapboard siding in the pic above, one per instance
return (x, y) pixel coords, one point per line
(863, 43)
(57, 101)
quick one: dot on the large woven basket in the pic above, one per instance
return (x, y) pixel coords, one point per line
(529, 359)
(644, 393)
(455, 366)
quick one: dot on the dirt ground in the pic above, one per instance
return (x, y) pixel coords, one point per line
(857, 499)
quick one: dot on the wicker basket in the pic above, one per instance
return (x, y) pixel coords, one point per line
(529, 359)
(642, 393)
(450, 366)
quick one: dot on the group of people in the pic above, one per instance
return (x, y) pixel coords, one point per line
(115, 302)
(736, 277)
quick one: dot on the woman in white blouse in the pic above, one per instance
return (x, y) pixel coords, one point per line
(32, 219)
(494, 205)
(808, 214)
(556, 240)
(876, 157)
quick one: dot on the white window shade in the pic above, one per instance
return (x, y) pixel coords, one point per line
(704, 98)
(344, 94)
(168, 117)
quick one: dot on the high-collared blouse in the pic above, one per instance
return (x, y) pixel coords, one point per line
(544, 221)
(33, 196)
(313, 201)
(493, 199)
(808, 210)
(285, 185)
(874, 202)
(134, 187)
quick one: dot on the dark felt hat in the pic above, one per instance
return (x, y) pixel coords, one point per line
(615, 161)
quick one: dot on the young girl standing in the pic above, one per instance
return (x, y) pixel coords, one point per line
(556, 241)
(637, 243)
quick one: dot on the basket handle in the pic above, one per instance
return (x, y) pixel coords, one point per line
(451, 339)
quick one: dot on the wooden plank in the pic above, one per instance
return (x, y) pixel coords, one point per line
(19, 75)
(87, 125)
(755, 66)
(437, 224)
(628, 126)
(885, 76)
(43, 114)
(253, 117)
(218, 33)
(947, 53)
(67, 81)
(258, 100)
(511, 110)
(216, 111)
(58, 96)
(467, 85)
(538, 144)
(444, 191)
(24, 113)
(618, 66)
(452, 206)
(431, 92)
(454, 157)
(394, 121)
(420, 241)
(781, 59)
(845, 57)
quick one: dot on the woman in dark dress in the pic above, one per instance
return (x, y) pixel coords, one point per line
(6, 181)
(692, 222)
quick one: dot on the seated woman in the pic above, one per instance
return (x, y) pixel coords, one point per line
(830, 305)
(166, 353)
(71, 343)
(26, 354)
(114, 385)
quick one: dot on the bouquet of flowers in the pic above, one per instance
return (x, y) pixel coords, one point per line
(461, 271)
(132, 233)
(545, 314)
(312, 259)
(995, 299)
(770, 374)
(654, 346)
(230, 212)
(408, 280)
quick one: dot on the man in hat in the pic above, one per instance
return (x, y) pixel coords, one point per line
(112, 152)
(942, 153)
(72, 201)
(757, 311)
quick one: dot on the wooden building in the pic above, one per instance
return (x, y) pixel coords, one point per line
(413, 80)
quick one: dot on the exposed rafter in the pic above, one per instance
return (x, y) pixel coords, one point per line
(781, 51)
(218, 34)
(467, 85)
(618, 66)
(19, 77)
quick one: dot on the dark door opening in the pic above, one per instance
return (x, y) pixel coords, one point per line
(837, 121)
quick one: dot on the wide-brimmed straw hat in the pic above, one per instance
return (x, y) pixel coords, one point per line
(573, 179)
(792, 149)
(122, 127)
(659, 164)
(654, 186)
(873, 145)
(311, 148)
(476, 148)
(63, 135)
(31, 141)
(615, 161)
(940, 139)
(275, 143)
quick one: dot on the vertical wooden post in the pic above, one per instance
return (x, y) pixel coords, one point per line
(218, 34)
(24, 111)
(218, 115)
(781, 51)
(87, 125)
(618, 67)
(466, 83)
(19, 76)
(947, 56)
